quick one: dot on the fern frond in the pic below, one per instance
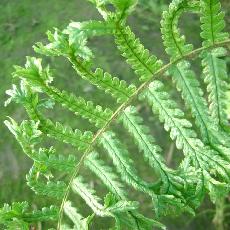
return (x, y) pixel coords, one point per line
(88, 195)
(17, 216)
(109, 179)
(61, 132)
(86, 109)
(123, 163)
(30, 101)
(8, 213)
(28, 134)
(119, 89)
(205, 167)
(73, 40)
(49, 188)
(180, 130)
(61, 45)
(128, 173)
(44, 214)
(39, 79)
(144, 64)
(80, 223)
(212, 22)
(215, 72)
(192, 94)
(171, 115)
(66, 134)
(103, 80)
(184, 78)
(146, 143)
(106, 174)
(51, 160)
(173, 41)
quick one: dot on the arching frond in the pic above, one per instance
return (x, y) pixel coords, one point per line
(205, 167)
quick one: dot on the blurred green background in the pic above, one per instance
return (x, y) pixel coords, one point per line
(24, 22)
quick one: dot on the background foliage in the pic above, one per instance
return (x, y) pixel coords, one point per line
(24, 22)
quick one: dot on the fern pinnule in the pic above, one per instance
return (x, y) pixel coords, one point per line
(215, 72)
(106, 174)
(55, 189)
(152, 152)
(175, 44)
(88, 194)
(34, 75)
(18, 215)
(123, 163)
(144, 64)
(212, 22)
(118, 89)
(58, 131)
(78, 220)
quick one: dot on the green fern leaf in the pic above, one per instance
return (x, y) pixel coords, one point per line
(44, 214)
(66, 134)
(205, 167)
(104, 81)
(80, 223)
(88, 195)
(215, 72)
(212, 22)
(58, 131)
(169, 113)
(192, 93)
(17, 216)
(51, 189)
(87, 29)
(146, 143)
(49, 158)
(61, 45)
(144, 64)
(123, 163)
(106, 174)
(39, 79)
(27, 135)
(173, 41)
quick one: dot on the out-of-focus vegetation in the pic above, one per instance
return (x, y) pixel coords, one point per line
(24, 22)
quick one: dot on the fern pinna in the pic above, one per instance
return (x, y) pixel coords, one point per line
(206, 164)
